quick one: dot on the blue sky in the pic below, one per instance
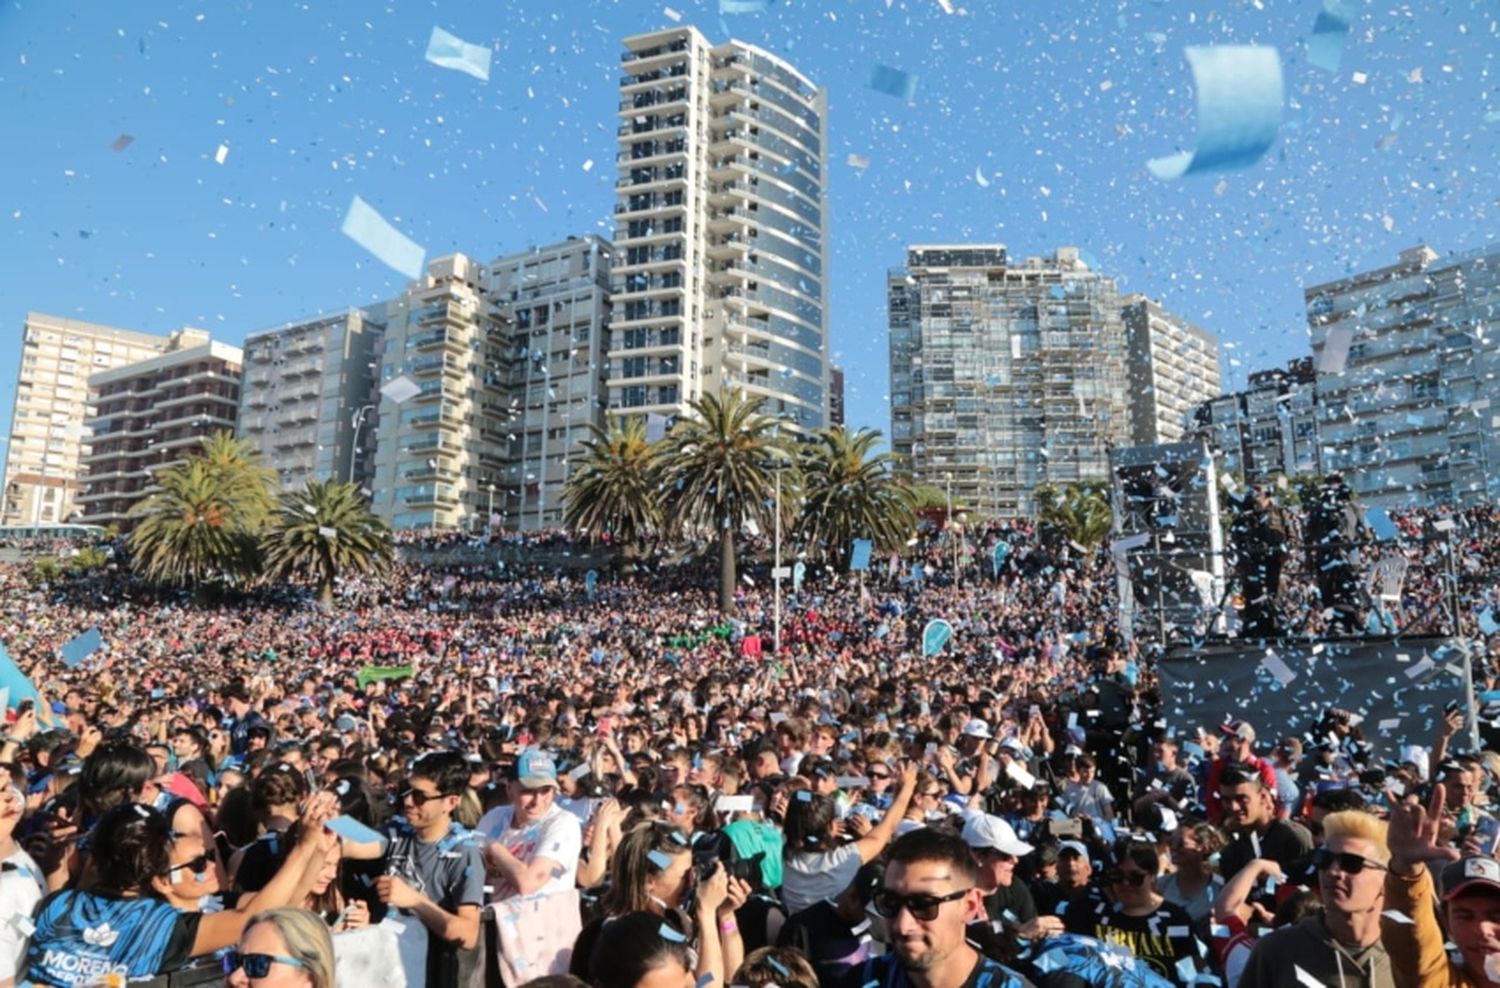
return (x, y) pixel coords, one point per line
(1031, 125)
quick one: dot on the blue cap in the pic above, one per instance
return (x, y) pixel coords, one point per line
(535, 769)
(345, 723)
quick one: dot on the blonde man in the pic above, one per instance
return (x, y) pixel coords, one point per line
(1343, 946)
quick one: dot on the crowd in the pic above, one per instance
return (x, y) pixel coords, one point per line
(483, 776)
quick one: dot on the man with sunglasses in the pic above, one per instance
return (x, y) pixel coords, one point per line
(1342, 947)
(434, 872)
(928, 895)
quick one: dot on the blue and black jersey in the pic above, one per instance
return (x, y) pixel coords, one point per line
(887, 971)
(83, 938)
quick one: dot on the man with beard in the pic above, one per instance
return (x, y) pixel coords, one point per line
(928, 895)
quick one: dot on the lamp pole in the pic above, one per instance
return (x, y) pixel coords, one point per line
(358, 421)
(776, 573)
(489, 518)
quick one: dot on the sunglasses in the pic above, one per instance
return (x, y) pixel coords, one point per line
(256, 965)
(197, 865)
(922, 906)
(418, 797)
(1132, 879)
(1350, 864)
(880, 775)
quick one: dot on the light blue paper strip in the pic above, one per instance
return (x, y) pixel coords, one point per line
(859, 555)
(1325, 49)
(893, 82)
(369, 229)
(449, 51)
(353, 831)
(1380, 523)
(742, 6)
(80, 648)
(1240, 92)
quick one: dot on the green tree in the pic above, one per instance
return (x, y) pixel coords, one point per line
(194, 530)
(851, 492)
(240, 463)
(322, 531)
(615, 489)
(1078, 511)
(718, 473)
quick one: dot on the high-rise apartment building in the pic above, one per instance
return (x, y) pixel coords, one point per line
(437, 451)
(1005, 376)
(1173, 365)
(150, 415)
(1268, 429)
(835, 395)
(308, 388)
(721, 230)
(47, 435)
(1407, 357)
(555, 304)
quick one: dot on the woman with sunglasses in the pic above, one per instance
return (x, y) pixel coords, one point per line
(1139, 918)
(120, 924)
(197, 875)
(282, 948)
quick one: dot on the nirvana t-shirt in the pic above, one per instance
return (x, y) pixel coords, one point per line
(1163, 940)
(82, 939)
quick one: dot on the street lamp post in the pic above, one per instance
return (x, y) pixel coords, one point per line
(776, 573)
(358, 421)
(489, 516)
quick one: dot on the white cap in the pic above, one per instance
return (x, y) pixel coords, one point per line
(984, 830)
(977, 729)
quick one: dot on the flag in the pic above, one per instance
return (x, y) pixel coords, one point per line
(370, 674)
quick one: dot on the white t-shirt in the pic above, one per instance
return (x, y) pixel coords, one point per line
(556, 836)
(20, 890)
(807, 878)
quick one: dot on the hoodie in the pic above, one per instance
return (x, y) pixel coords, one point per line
(1306, 955)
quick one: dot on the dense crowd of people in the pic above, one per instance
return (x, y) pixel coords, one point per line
(484, 775)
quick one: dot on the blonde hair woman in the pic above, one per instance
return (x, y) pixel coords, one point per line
(282, 948)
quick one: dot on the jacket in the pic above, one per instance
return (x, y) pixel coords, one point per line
(1306, 954)
(1416, 948)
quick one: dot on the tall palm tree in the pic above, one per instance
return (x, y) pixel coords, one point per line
(850, 492)
(615, 489)
(193, 530)
(718, 465)
(240, 463)
(1079, 511)
(323, 531)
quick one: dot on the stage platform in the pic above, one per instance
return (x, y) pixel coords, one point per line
(1399, 686)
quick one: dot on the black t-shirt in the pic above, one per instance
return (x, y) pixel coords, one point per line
(831, 943)
(1284, 842)
(1160, 939)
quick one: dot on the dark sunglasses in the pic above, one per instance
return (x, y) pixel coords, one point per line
(880, 775)
(1350, 864)
(418, 797)
(922, 906)
(256, 965)
(1133, 879)
(196, 865)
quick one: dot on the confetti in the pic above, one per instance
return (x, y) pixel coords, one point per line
(221, 154)
(449, 51)
(1325, 49)
(370, 230)
(1239, 109)
(893, 82)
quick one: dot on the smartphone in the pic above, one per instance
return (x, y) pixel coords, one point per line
(1066, 828)
(25, 707)
(1034, 711)
(1487, 833)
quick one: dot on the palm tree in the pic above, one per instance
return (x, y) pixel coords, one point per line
(1077, 511)
(615, 490)
(322, 531)
(238, 462)
(193, 530)
(717, 474)
(851, 493)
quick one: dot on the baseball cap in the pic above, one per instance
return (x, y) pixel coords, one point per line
(1238, 729)
(1469, 874)
(977, 728)
(345, 723)
(535, 769)
(983, 830)
(1072, 847)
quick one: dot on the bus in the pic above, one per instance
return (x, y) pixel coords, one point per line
(19, 533)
